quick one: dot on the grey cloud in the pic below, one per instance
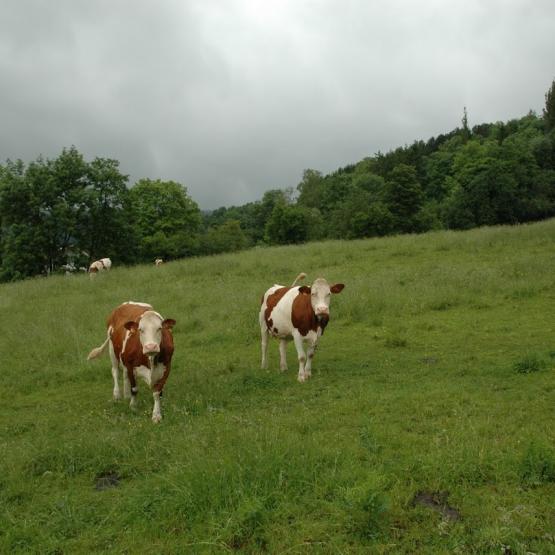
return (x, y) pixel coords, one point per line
(233, 98)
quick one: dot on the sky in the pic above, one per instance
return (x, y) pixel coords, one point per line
(232, 98)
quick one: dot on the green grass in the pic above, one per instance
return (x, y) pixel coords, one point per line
(436, 374)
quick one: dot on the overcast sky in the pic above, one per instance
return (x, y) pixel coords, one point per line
(235, 97)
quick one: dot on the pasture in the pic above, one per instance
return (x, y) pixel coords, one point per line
(428, 425)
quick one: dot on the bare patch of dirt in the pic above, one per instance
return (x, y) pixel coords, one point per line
(437, 501)
(106, 480)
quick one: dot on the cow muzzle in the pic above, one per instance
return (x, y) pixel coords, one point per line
(151, 349)
(323, 319)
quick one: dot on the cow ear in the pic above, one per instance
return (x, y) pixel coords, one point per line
(304, 289)
(168, 323)
(337, 288)
(131, 326)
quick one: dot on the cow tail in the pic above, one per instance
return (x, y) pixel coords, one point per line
(95, 353)
(300, 277)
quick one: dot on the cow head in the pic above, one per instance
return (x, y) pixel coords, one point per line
(320, 295)
(150, 331)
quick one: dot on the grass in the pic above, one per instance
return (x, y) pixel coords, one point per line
(435, 379)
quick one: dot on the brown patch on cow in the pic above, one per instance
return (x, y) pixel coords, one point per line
(276, 331)
(271, 302)
(436, 500)
(303, 316)
(93, 269)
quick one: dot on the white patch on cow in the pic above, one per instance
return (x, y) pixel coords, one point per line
(151, 377)
(156, 411)
(145, 305)
(150, 331)
(281, 313)
(124, 344)
(115, 371)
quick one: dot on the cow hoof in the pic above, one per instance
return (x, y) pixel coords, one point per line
(283, 369)
(157, 418)
(116, 396)
(301, 378)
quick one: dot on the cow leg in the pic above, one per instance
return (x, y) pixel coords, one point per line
(283, 355)
(115, 371)
(300, 354)
(133, 383)
(156, 411)
(309, 357)
(264, 336)
(126, 385)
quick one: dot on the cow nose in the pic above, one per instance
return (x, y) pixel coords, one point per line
(150, 348)
(322, 310)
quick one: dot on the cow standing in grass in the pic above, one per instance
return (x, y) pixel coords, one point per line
(296, 313)
(141, 339)
(101, 265)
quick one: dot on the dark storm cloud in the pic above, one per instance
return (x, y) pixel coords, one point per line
(232, 98)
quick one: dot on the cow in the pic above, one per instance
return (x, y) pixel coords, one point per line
(297, 313)
(99, 266)
(141, 340)
(158, 262)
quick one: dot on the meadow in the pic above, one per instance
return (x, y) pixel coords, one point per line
(428, 425)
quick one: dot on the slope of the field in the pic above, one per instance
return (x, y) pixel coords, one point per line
(428, 425)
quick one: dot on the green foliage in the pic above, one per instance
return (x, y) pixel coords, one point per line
(165, 219)
(57, 211)
(287, 224)
(404, 198)
(549, 109)
(226, 237)
(66, 210)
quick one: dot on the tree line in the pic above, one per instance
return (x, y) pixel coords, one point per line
(63, 213)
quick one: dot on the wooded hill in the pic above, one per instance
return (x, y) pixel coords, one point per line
(66, 211)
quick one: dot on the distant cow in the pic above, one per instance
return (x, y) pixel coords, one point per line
(297, 313)
(99, 266)
(158, 262)
(142, 341)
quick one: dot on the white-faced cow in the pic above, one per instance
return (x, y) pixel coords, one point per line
(141, 340)
(99, 266)
(296, 313)
(158, 261)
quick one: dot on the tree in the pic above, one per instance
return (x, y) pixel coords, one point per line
(549, 110)
(287, 224)
(53, 210)
(166, 220)
(227, 237)
(310, 189)
(404, 198)
(106, 214)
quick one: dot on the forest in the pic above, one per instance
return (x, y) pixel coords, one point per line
(57, 215)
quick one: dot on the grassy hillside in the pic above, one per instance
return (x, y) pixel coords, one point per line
(428, 425)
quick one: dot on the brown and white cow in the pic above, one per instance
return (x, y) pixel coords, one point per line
(99, 266)
(296, 313)
(141, 340)
(158, 261)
